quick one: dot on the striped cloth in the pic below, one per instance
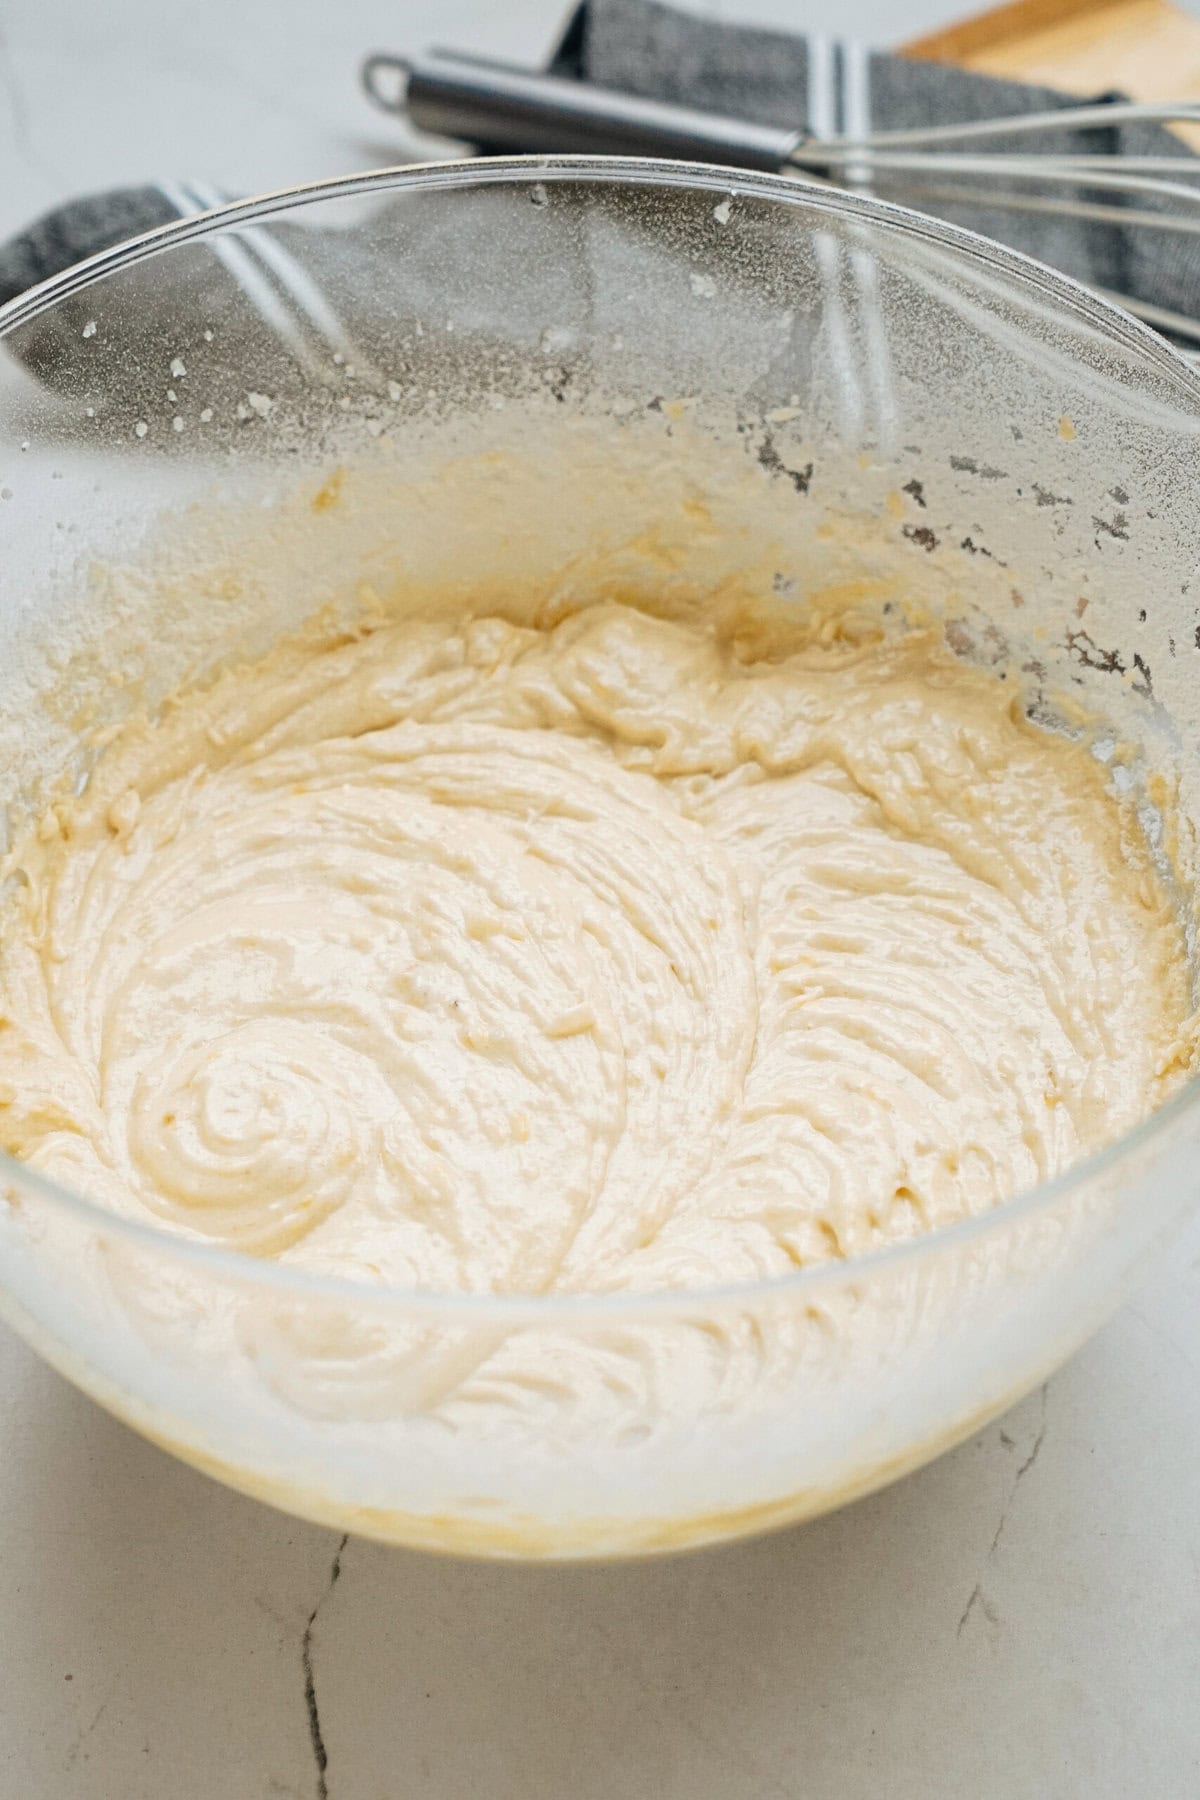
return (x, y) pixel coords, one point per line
(834, 87)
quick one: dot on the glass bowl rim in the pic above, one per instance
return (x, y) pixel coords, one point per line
(798, 1285)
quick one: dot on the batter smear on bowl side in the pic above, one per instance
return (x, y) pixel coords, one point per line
(475, 956)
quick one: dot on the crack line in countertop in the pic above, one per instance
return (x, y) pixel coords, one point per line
(977, 1596)
(320, 1754)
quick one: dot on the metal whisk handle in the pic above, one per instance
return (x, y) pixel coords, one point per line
(492, 103)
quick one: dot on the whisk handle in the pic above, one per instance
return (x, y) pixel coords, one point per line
(491, 103)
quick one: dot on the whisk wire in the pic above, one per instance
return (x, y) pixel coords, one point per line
(1102, 115)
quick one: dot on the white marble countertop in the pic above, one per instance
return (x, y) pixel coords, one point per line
(1021, 1621)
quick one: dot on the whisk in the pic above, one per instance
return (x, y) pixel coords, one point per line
(479, 101)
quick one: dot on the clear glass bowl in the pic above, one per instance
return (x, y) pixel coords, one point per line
(548, 376)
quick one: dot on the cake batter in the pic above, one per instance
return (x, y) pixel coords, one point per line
(473, 956)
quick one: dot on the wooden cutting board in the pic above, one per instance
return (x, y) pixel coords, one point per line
(1147, 48)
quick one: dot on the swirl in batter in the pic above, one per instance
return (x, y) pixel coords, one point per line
(477, 956)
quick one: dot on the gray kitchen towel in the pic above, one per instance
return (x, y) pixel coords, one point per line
(826, 84)
(836, 87)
